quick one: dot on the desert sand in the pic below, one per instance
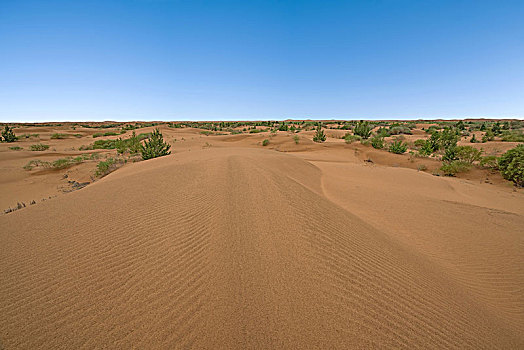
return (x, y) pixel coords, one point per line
(225, 244)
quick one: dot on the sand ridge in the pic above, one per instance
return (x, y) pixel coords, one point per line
(251, 248)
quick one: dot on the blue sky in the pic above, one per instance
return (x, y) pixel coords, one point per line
(231, 60)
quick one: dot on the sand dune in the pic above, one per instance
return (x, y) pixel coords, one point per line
(251, 248)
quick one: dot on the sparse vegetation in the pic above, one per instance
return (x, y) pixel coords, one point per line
(104, 167)
(15, 148)
(39, 147)
(351, 138)
(58, 136)
(265, 142)
(296, 139)
(454, 167)
(155, 146)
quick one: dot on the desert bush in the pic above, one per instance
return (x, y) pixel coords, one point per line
(132, 144)
(513, 136)
(454, 167)
(296, 139)
(265, 142)
(468, 154)
(15, 148)
(58, 136)
(155, 146)
(398, 147)
(489, 162)
(511, 165)
(98, 134)
(38, 147)
(319, 135)
(422, 167)
(377, 142)
(283, 127)
(419, 143)
(473, 139)
(400, 129)
(363, 129)
(351, 138)
(105, 167)
(488, 136)
(8, 135)
(382, 132)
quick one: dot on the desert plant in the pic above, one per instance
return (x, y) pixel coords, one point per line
(473, 139)
(296, 139)
(8, 134)
(513, 136)
(363, 129)
(155, 146)
(319, 135)
(265, 142)
(489, 162)
(58, 136)
(377, 142)
(488, 136)
(468, 154)
(105, 167)
(511, 165)
(351, 138)
(398, 147)
(454, 167)
(15, 148)
(38, 147)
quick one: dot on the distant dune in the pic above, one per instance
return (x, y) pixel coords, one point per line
(238, 247)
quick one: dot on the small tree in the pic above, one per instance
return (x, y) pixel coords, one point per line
(319, 135)
(363, 129)
(155, 147)
(9, 135)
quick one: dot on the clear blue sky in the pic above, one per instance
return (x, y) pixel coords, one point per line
(201, 60)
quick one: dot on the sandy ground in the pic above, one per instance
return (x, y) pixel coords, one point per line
(226, 244)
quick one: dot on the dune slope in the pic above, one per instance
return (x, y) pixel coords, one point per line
(224, 248)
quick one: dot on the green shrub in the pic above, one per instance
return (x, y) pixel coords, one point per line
(351, 138)
(265, 142)
(454, 167)
(473, 139)
(282, 127)
(131, 144)
(15, 148)
(377, 142)
(319, 135)
(105, 167)
(489, 162)
(419, 143)
(155, 146)
(296, 139)
(397, 130)
(488, 136)
(363, 129)
(514, 136)
(39, 147)
(98, 134)
(58, 136)
(511, 165)
(382, 132)
(468, 154)
(398, 147)
(8, 135)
